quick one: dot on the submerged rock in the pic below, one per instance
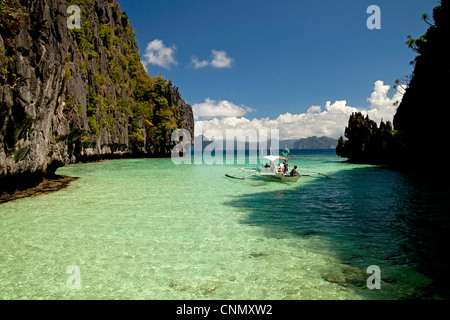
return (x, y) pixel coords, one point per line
(256, 254)
(201, 288)
(347, 276)
(45, 186)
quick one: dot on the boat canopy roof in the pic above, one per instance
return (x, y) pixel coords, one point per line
(274, 158)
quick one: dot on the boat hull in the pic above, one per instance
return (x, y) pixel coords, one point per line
(279, 177)
(266, 174)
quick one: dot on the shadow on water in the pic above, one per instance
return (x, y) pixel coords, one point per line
(365, 216)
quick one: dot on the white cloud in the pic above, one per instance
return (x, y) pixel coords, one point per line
(157, 53)
(218, 109)
(317, 121)
(218, 59)
(381, 106)
(314, 109)
(199, 64)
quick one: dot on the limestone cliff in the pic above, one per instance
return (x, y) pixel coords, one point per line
(78, 94)
(423, 115)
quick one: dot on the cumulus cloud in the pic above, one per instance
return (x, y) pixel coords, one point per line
(330, 120)
(211, 109)
(218, 59)
(315, 109)
(199, 64)
(381, 106)
(157, 53)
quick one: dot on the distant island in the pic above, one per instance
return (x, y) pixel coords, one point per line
(313, 142)
(303, 143)
(316, 143)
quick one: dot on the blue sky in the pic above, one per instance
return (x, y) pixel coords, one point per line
(275, 58)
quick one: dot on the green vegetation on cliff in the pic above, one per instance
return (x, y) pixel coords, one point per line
(10, 20)
(121, 87)
(10, 24)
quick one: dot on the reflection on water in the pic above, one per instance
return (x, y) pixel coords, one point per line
(423, 220)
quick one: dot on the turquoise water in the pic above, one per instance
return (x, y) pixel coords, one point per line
(149, 229)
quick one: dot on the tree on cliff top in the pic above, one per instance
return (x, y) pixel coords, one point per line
(366, 142)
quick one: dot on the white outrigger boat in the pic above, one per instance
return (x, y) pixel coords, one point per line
(269, 172)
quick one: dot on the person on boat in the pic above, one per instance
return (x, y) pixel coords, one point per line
(281, 168)
(267, 165)
(286, 165)
(273, 169)
(294, 172)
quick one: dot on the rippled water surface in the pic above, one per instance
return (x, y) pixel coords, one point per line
(149, 229)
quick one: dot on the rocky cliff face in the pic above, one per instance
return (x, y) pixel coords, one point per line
(78, 94)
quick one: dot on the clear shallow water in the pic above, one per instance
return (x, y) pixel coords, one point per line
(149, 229)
